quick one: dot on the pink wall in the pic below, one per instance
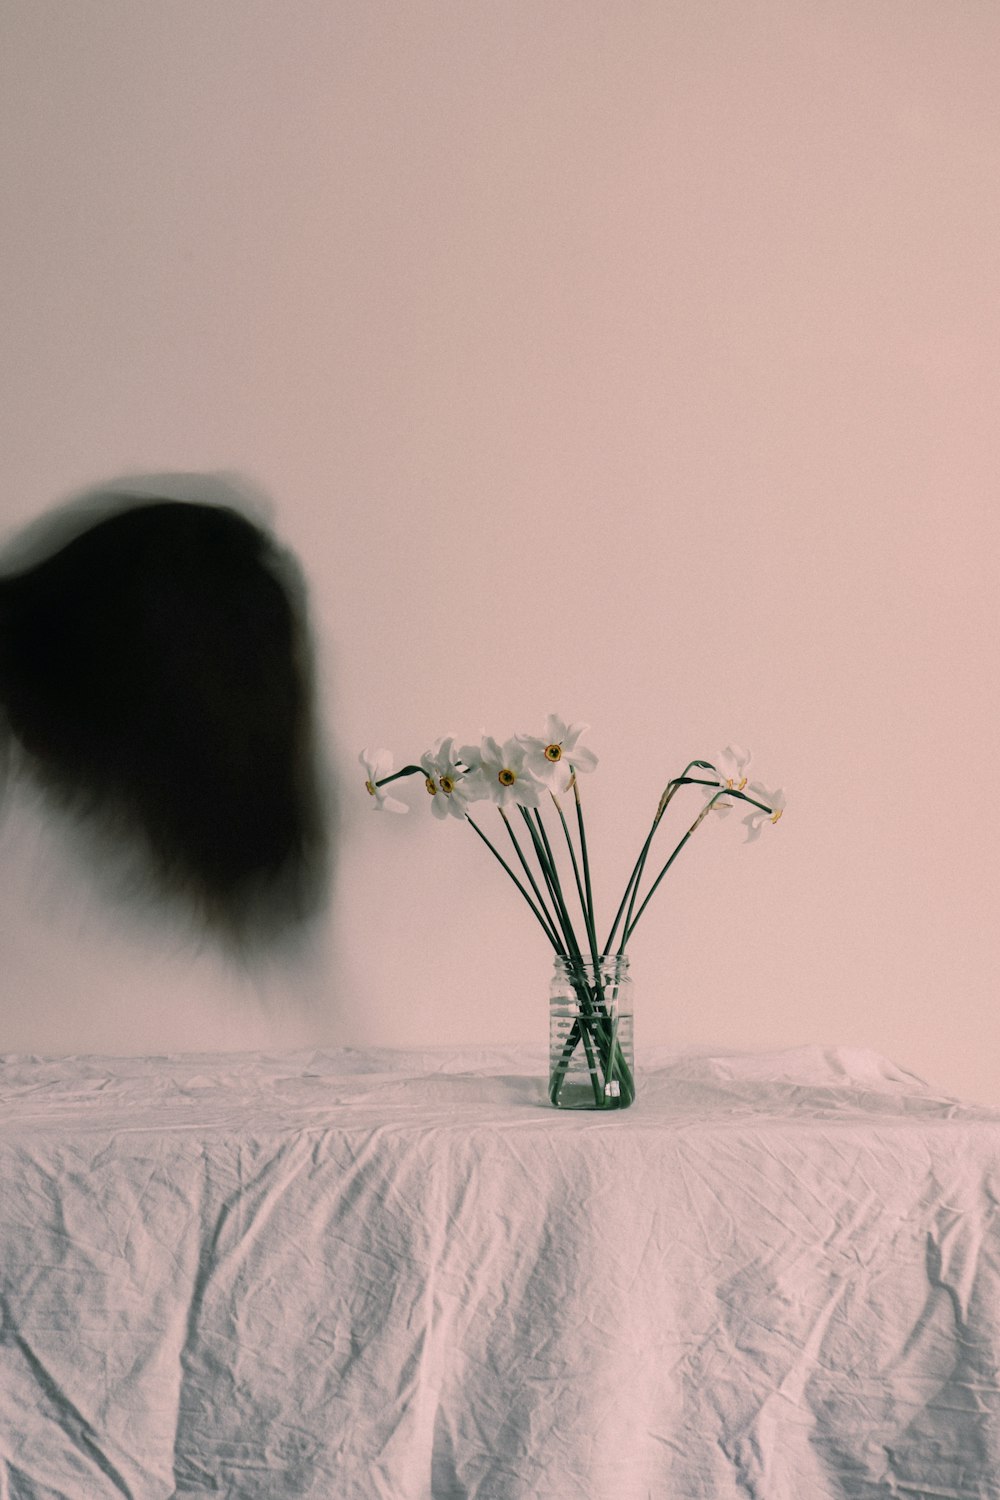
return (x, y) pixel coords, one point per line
(635, 361)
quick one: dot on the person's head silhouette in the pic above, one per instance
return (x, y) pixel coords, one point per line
(155, 671)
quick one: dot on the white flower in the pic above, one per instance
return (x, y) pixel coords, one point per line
(555, 756)
(758, 817)
(731, 766)
(451, 788)
(499, 772)
(378, 765)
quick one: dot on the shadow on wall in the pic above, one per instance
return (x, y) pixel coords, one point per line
(157, 682)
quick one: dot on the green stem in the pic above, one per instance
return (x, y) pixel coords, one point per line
(406, 771)
(591, 933)
(576, 875)
(723, 792)
(632, 888)
(568, 937)
(547, 861)
(550, 924)
(543, 853)
(497, 855)
(593, 1022)
(543, 850)
(580, 1031)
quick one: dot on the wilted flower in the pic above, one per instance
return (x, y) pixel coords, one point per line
(378, 765)
(732, 767)
(758, 816)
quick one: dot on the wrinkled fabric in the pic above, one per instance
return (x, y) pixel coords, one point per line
(366, 1274)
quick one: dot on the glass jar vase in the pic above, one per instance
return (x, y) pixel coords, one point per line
(591, 1064)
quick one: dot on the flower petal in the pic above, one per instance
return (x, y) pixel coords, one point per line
(473, 787)
(377, 763)
(581, 759)
(513, 753)
(382, 802)
(490, 752)
(571, 735)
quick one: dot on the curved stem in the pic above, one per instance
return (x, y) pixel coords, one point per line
(723, 792)
(632, 888)
(406, 771)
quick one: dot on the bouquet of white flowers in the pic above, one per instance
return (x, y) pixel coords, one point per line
(522, 777)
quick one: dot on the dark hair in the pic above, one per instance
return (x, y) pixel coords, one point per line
(156, 672)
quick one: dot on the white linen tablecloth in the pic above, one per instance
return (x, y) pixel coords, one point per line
(351, 1274)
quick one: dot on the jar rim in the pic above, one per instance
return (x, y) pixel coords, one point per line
(567, 962)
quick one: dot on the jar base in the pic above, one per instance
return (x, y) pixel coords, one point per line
(579, 1094)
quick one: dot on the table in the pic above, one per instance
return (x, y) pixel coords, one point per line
(360, 1273)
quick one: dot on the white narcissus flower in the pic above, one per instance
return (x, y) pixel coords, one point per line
(378, 765)
(732, 767)
(758, 817)
(451, 788)
(499, 772)
(556, 755)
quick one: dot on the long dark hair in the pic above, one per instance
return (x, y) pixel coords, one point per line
(156, 675)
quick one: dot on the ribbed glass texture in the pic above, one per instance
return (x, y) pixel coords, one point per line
(591, 1062)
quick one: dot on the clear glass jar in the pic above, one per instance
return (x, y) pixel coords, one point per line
(591, 1063)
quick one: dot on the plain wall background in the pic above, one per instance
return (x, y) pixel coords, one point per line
(632, 361)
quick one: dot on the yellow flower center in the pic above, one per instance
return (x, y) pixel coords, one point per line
(429, 784)
(506, 777)
(776, 814)
(371, 789)
(742, 785)
(553, 752)
(446, 784)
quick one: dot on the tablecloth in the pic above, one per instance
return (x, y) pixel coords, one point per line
(368, 1274)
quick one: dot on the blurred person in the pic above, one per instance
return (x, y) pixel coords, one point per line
(156, 681)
